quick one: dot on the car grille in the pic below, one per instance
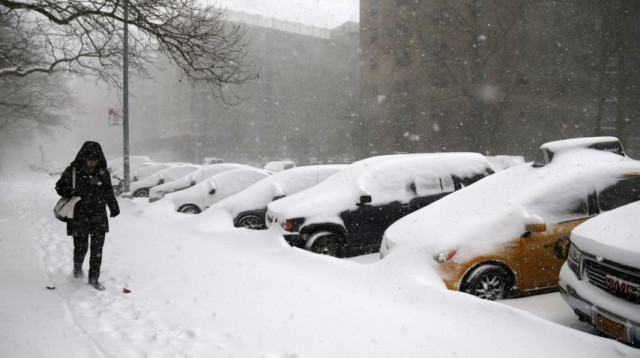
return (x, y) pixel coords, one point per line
(618, 280)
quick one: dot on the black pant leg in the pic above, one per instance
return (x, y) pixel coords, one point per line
(95, 258)
(80, 247)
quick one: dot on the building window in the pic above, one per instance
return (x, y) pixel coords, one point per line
(437, 50)
(439, 80)
(440, 18)
(374, 9)
(402, 57)
(402, 28)
(375, 34)
(373, 63)
(401, 88)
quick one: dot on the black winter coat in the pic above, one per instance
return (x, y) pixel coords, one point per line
(94, 188)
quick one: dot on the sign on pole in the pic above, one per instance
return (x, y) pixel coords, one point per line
(115, 117)
(414, 137)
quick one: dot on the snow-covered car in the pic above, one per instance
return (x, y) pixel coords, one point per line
(548, 151)
(201, 196)
(116, 165)
(140, 188)
(150, 169)
(248, 207)
(198, 176)
(279, 165)
(348, 213)
(601, 278)
(507, 233)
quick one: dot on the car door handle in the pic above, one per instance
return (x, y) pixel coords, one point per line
(547, 245)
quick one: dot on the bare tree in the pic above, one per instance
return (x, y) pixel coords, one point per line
(30, 102)
(84, 37)
(37, 102)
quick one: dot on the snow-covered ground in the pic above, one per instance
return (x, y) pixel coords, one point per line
(202, 288)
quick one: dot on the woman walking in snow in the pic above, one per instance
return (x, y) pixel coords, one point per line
(90, 222)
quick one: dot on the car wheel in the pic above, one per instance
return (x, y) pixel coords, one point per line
(189, 209)
(327, 243)
(251, 221)
(489, 282)
(141, 193)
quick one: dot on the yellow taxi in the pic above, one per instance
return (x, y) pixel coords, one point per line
(509, 232)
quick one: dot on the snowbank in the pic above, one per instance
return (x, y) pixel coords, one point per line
(203, 290)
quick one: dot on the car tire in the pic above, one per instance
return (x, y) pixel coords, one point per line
(327, 243)
(189, 209)
(489, 281)
(251, 221)
(141, 193)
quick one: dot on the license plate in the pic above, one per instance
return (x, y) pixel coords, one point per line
(615, 329)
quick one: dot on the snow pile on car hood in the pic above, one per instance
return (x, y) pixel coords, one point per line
(614, 235)
(284, 183)
(496, 209)
(385, 178)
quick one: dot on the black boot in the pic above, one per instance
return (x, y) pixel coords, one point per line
(77, 272)
(95, 284)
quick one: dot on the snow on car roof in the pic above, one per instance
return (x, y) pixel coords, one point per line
(283, 183)
(168, 174)
(502, 162)
(198, 176)
(614, 235)
(150, 169)
(225, 184)
(569, 144)
(497, 208)
(117, 163)
(279, 165)
(376, 176)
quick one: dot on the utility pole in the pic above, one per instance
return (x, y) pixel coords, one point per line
(125, 99)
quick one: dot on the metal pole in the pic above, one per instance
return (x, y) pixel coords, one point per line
(125, 99)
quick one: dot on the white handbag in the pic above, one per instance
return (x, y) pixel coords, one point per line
(65, 206)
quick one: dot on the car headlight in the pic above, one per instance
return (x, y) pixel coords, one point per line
(573, 260)
(574, 253)
(292, 224)
(445, 255)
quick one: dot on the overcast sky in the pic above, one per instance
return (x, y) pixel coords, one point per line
(321, 13)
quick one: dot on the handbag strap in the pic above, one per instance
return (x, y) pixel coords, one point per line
(73, 177)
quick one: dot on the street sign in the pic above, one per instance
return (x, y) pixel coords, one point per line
(414, 137)
(115, 117)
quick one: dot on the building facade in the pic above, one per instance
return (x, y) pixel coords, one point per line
(497, 77)
(301, 106)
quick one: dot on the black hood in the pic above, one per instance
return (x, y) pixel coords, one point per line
(90, 151)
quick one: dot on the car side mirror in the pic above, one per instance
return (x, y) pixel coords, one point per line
(364, 199)
(278, 197)
(540, 227)
(212, 191)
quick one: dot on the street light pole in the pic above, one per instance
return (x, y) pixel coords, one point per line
(125, 99)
